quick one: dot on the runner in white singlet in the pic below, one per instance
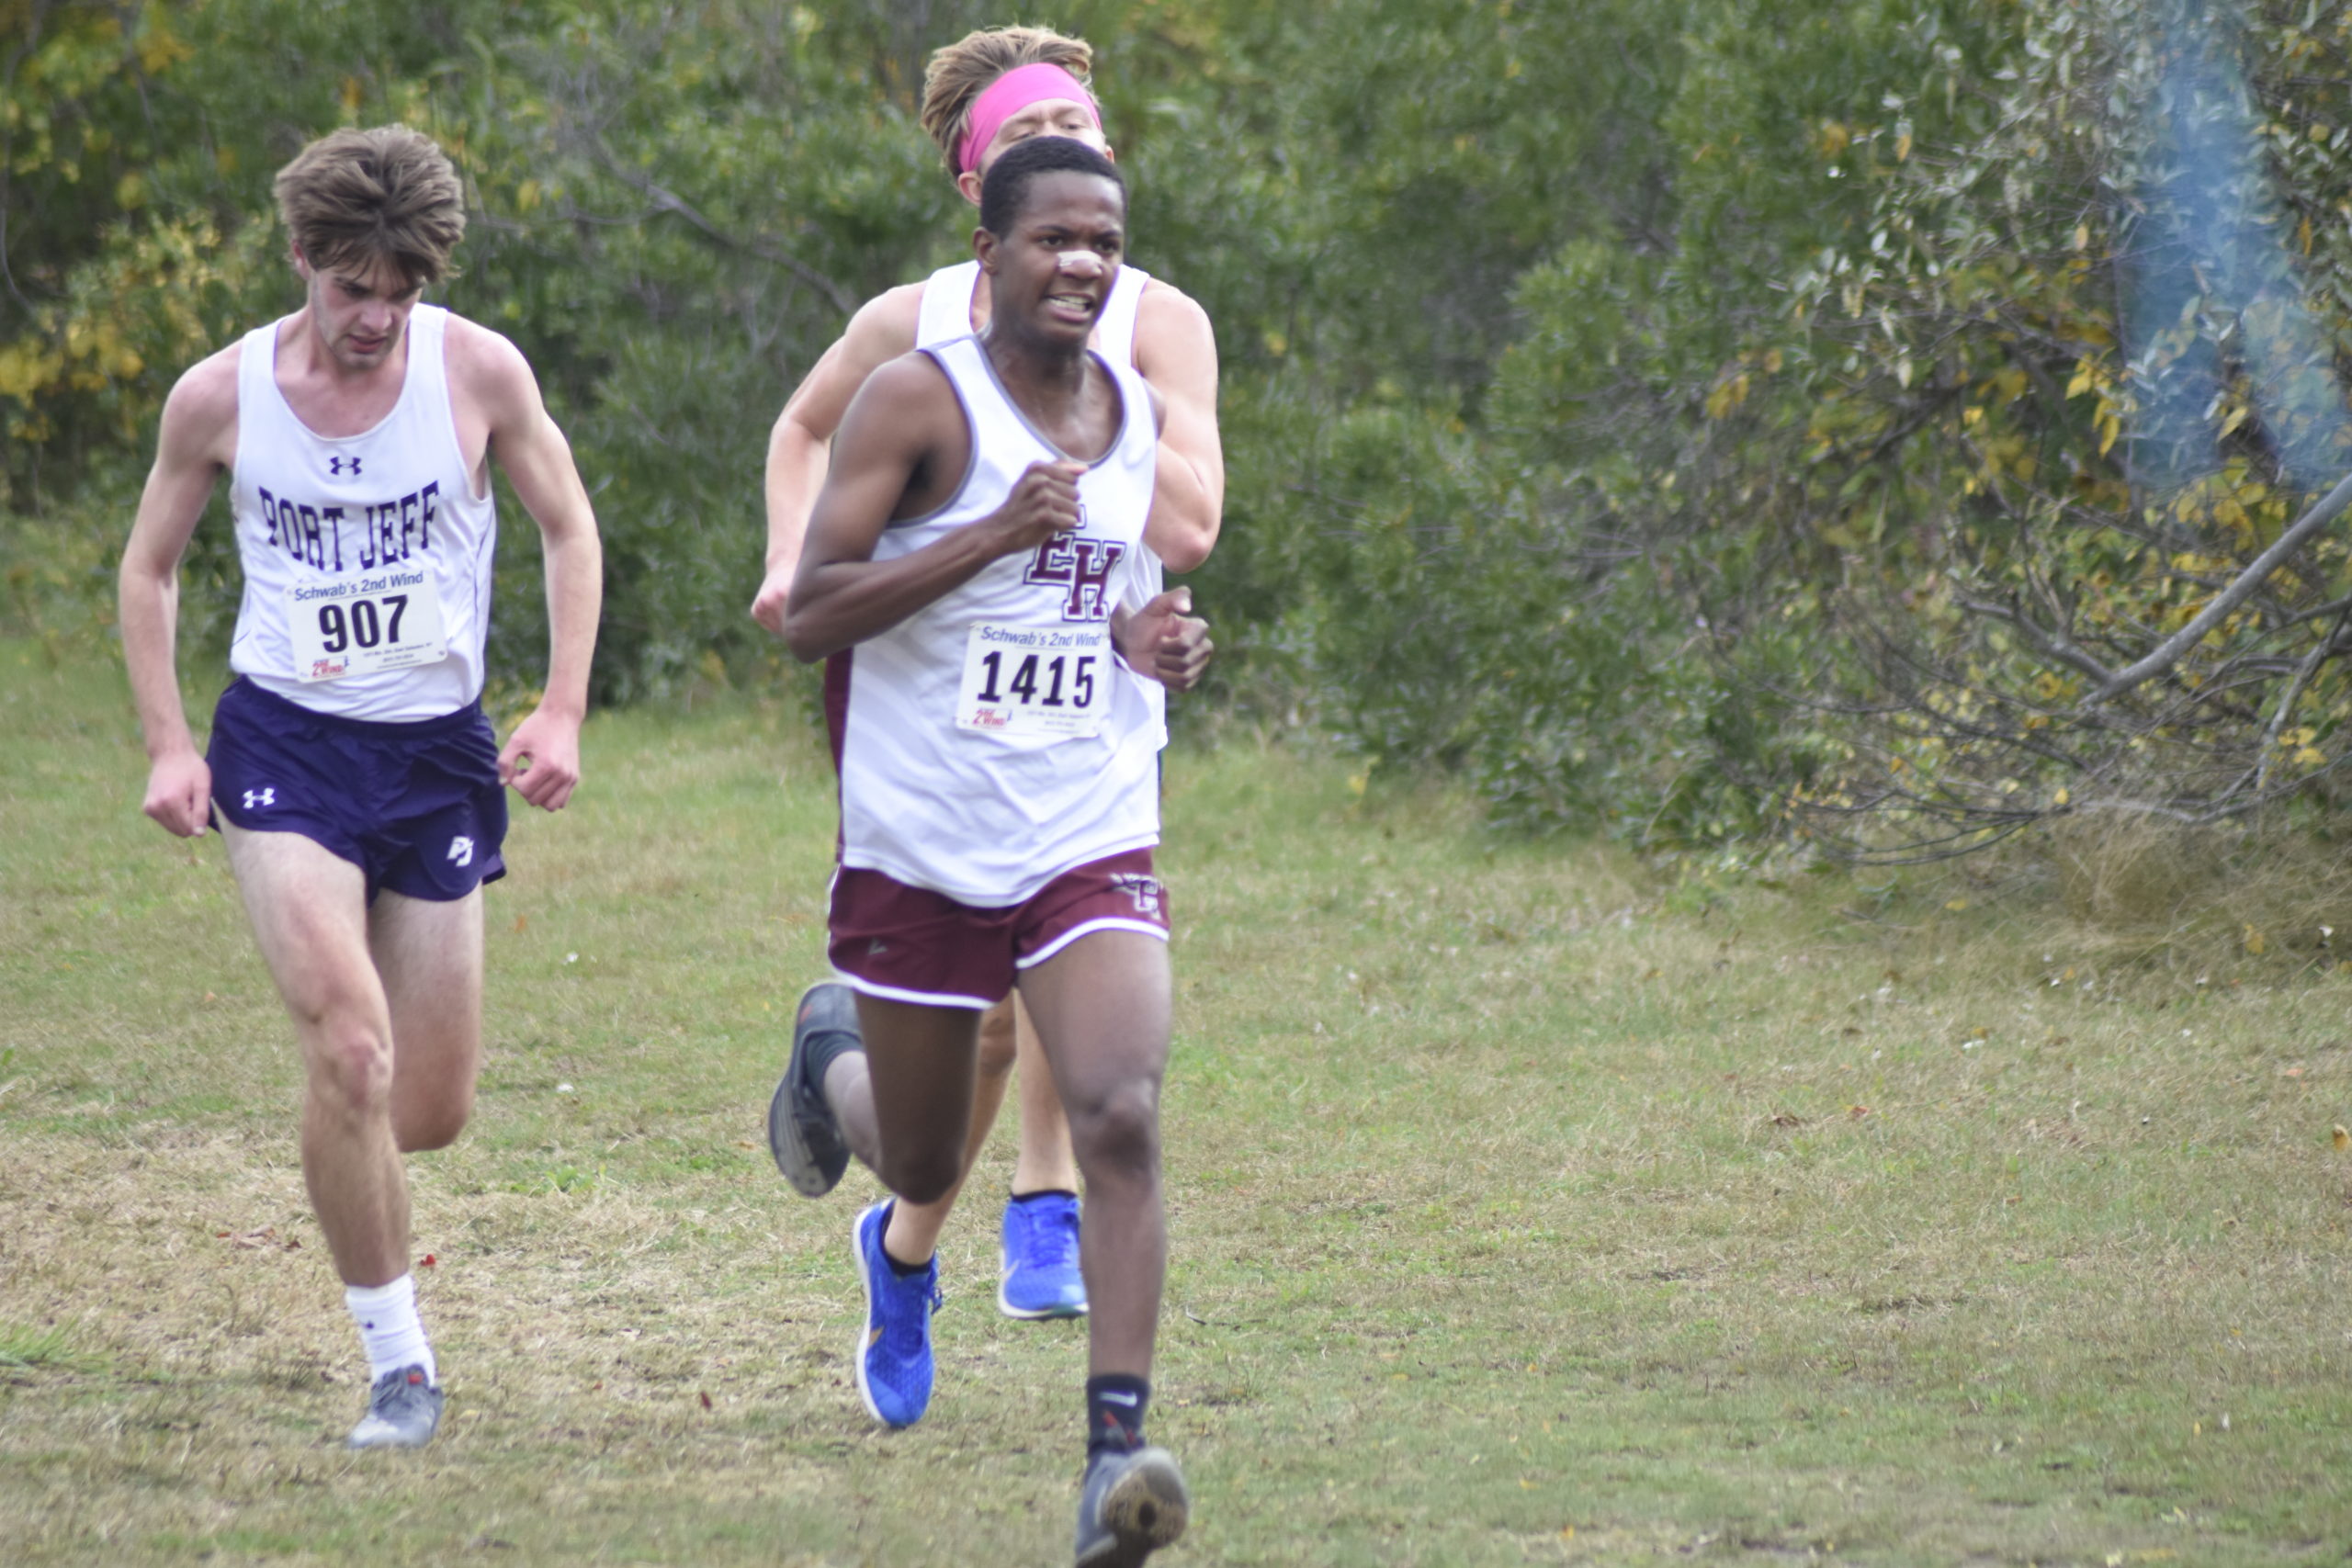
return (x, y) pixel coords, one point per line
(984, 93)
(353, 776)
(1000, 799)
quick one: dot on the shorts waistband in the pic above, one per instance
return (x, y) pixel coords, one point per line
(245, 691)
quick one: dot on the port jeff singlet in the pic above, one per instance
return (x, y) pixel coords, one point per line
(946, 314)
(993, 740)
(367, 557)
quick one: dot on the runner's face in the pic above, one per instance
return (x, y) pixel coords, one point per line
(1047, 117)
(360, 310)
(1055, 269)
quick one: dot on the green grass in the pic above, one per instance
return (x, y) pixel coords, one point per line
(1525, 1209)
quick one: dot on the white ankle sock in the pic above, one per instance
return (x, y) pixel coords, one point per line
(389, 1328)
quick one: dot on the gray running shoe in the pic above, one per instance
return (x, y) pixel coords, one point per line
(802, 1134)
(1133, 1505)
(403, 1409)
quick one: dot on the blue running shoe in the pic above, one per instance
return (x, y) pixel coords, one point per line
(1040, 1276)
(894, 1353)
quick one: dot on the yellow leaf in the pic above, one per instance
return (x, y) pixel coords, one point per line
(350, 95)
(2342, 1139)
(2255, 942)
(2082, 381)
(2062, 797)
(1956, 905)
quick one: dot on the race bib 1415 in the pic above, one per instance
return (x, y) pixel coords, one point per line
(374, 622)
(1036, 680)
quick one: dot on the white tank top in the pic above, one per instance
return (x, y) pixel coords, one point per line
(946, 314)
(954, 775)
(367, 557)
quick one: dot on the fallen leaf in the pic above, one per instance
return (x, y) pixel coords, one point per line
(706, 1402)
(2343, 1139)
(427, 1261)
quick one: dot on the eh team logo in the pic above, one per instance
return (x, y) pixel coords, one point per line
(1145, 893)
(1080, 566)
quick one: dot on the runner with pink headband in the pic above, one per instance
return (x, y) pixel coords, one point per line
(1015, 91)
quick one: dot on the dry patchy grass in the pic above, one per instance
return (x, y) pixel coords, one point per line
(1526, 1209)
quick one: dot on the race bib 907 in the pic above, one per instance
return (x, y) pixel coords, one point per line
(378, 621)
(1051, 680)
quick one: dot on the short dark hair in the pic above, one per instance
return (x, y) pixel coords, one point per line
(1007, 186)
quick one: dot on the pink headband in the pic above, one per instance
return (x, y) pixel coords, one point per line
(1015, 91)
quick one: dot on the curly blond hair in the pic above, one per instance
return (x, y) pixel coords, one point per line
(355, 197)
(962, 70)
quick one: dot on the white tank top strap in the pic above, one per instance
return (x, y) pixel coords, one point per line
(1115, 331)
(947, 304)
(947, 311)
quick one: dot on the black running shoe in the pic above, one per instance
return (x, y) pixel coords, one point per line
(1133, 1505)
(802, 1134)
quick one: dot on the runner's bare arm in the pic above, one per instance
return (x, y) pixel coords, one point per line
(541, 759)
(1176, 352)
(903, 430)
(883, 329)
(198, 440)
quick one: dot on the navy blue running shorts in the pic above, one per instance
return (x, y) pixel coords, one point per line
(417, 807)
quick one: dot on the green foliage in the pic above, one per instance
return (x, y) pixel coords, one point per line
(1665, 415)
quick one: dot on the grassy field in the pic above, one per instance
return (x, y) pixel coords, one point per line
(1526, 1209)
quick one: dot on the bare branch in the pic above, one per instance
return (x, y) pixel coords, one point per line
(2049, 644)
(2168, 653)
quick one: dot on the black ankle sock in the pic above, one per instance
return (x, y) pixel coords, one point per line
(1042, 1192)
(1115, 1403)
(900, 1269)
(825, 1047)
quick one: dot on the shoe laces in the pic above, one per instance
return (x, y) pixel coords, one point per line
(1051, 1243)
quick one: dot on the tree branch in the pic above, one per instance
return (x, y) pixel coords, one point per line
(2168, 653)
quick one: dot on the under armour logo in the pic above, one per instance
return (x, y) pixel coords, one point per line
(461, 849)
(257, 798)
(335, 465)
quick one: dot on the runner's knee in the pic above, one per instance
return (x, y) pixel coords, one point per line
(923, 1175)
(416, 1129)
(1117, 1133)
(350, 1061)
(999, 1046)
